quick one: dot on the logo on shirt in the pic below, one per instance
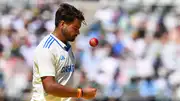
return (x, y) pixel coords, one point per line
(69, 68)
(62, 57)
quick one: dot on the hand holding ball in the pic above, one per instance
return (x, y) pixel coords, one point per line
(93, 42)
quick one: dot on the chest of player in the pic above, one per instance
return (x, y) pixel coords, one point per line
(64, 62)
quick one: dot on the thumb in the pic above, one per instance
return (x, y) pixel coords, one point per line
(94, 89)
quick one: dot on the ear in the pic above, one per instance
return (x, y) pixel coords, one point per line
(62, 24)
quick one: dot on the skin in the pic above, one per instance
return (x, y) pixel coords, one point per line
(66, 32)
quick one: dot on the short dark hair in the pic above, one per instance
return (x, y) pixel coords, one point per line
(67, 13)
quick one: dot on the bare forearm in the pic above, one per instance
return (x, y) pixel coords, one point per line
(53, 88)
(61, 91)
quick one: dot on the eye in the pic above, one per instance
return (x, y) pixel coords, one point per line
(75, 29)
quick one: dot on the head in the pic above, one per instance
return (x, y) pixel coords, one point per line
(68, 21)
(162, 35)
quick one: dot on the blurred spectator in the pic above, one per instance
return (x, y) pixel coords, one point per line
(27, 49)
(2, 65)
(114, 90)
(16, 78)
(148, 89)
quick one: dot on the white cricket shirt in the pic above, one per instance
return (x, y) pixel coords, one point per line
(52, 58)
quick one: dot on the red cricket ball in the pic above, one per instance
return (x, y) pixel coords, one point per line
(93, 42)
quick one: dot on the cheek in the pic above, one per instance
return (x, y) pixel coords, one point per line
(67, 31)
(72, 32)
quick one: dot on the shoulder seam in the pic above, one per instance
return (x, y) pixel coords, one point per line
(48, 42)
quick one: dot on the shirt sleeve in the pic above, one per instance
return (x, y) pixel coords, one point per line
(45, 63)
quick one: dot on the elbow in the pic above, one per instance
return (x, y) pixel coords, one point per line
(48, 84)
(48, 88)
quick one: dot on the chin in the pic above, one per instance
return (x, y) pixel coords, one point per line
(71, 40)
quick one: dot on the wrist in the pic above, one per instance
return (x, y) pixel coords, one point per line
(79, 93)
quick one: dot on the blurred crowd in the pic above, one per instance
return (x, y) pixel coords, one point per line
(138, 56)
(137, 59)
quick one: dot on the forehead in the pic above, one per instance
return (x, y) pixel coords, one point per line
(76, 23)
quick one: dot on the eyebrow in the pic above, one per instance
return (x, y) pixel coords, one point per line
(76, 27)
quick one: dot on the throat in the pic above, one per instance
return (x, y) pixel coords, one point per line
(60, 37)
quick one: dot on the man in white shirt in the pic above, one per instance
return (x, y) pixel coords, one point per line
(54, 61)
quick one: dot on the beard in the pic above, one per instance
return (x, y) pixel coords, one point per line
(64, 31)
(67, 35)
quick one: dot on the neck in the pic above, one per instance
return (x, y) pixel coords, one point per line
(59, 35)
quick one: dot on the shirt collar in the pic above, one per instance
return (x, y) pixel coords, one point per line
(63, 45)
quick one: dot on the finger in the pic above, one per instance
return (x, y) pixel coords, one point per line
(95, 89)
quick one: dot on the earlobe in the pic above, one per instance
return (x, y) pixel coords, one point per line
(62, 23)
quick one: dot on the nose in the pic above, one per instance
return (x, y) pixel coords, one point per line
(78, 32)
